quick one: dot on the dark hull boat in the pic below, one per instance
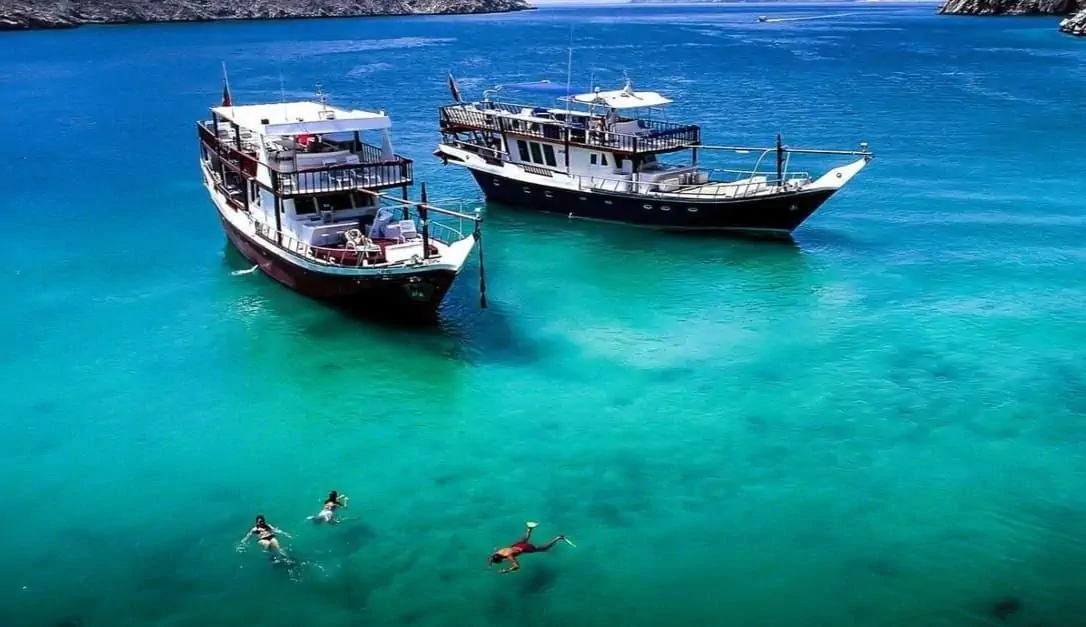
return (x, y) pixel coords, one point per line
(596, 162)
(304, 199)
(418, 295)
(777, 215)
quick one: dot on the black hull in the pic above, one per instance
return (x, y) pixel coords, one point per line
(768, 216)
(416, 296)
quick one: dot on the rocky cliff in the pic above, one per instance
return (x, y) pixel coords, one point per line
(1012, 7)
(32, 14)
(1075, 25)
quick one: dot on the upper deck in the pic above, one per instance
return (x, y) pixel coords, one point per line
(601, 126)
(306, 147)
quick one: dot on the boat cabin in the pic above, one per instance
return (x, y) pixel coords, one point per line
(311, 173)
(610, 134)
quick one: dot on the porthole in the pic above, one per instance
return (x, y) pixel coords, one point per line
(665, 208)
(527, 190)
(692, 209)
(647, 206)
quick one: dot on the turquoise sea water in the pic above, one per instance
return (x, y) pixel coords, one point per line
(882, 424)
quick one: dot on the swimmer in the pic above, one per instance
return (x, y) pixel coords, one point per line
(265, 536)
(519, 547)
(327, 514)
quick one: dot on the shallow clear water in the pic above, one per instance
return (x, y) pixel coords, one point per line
(882, 424)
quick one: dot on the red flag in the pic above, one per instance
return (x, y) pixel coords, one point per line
(226, 101)
(453, 88)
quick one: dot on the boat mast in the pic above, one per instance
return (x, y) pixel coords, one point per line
(780, 162)
(425, 224)
(569, 83)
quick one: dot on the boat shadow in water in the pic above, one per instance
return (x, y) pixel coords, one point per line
(462, 330)
(645, 258)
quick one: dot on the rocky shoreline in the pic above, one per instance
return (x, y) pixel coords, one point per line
(1011, 7)
(54, 14)
(1073, 25)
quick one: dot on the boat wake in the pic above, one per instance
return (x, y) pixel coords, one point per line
(241, 272)
(802, 19)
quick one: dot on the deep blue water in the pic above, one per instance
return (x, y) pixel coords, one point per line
(882, 424)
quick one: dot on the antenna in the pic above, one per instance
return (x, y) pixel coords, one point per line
(569, 70)
(283, 88)
(226, 82)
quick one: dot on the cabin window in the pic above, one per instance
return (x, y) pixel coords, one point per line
(336, 202)
(548, 152)
(537, 156)
(522, 146)
(304, 206)
(603, 159)
(592, 160)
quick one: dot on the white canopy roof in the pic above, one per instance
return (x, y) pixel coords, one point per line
(298, 118)
(622, 98)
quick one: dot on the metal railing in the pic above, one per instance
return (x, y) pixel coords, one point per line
(656, 136)
(701, 184)
(446, 229)
(753, 184)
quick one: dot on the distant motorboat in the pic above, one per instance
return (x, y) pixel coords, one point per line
(762, 18)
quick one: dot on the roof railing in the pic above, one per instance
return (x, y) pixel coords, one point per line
(659, 136)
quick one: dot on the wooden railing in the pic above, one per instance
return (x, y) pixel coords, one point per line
(346, 177)
(654, 136)
(374, 171)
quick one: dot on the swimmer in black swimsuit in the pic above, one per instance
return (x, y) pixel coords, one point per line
(520, 547)
(265, 534)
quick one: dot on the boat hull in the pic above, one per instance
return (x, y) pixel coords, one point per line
(777, 215)
(415, 296)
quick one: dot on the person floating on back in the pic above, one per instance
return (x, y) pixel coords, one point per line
(327, 514)
(265, 534)
(520, 547)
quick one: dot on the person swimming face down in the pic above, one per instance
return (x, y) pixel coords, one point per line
(334, 501)
(520, 547)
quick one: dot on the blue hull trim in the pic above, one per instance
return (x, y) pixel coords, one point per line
(779, 215)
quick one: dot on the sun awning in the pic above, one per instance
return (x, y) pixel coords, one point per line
(622, 99)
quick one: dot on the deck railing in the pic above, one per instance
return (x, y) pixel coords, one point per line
(374, 171)
(346, 177)
(653, 136)
(750, 184)
(444, 226)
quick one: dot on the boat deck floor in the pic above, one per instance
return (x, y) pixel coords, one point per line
(372, 253)
(723, 190)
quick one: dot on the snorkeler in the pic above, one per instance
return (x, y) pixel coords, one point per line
(265, 534)
(327, 514)
(522, 546)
